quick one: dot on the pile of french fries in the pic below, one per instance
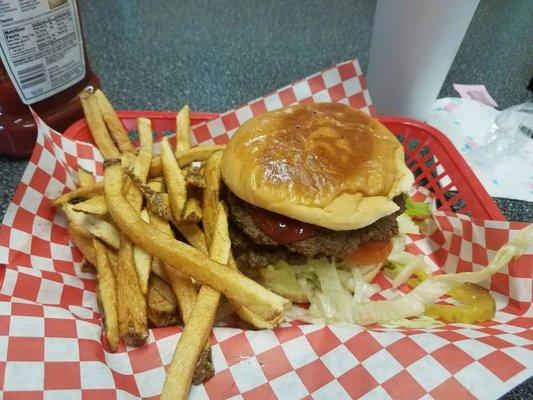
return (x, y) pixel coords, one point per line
(155, 232)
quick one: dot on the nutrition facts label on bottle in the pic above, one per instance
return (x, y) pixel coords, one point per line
(41, 46)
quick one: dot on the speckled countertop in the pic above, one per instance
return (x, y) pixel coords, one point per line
(213, 55)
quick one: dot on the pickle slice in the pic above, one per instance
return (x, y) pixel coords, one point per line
(477, 305)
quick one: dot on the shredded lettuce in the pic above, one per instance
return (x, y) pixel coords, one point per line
(362, 289)
(413, 303)
(420, 322)
(301, 314)
(410, 268)
(282, 280)
(402, 264)
(406, 265)
(417, 209)
(406, 225)
(398, 244)
(329, 287)
(330, 301)
(369, 272)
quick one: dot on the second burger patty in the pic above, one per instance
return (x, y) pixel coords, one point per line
(254, 249)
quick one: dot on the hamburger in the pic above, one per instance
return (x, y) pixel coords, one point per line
(313, 181)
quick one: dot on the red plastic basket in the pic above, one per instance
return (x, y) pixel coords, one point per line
(434, 160)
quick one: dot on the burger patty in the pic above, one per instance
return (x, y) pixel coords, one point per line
(249, 254)
(253, 248)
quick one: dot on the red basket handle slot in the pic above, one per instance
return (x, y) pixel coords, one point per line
(463, 178)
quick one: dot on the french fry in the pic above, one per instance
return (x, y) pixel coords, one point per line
(132, 317)
(185, 291)
(83, 240)
(112, 122)
(220, 247)
(143, 260)
(162, 306)
(181, 284)
(158, 187)
(198, 153)
(107, 294)
(113, 260)
(174, 180)
(156, 202)
(153, 273)
(87, 267)
(85, 178)
(210, 194)
(247, 315)
(141, 164)
(161, 286)
(126, 159)
(194, 235)
(194, 177)
(139, 168)
(192, 212)
(156, 167)
(190, 346)
(183, 130)
(146, 139)
(98, 127)
(157, 269)
(185, 169)
(84, 192)
(210, 201)
(98, 227)
(181, 256)
(95, 205)
(204, 368)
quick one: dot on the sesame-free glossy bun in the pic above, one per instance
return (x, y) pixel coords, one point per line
(327, 164)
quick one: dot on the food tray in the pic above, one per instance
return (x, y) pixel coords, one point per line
(51, 330)
(434, 160)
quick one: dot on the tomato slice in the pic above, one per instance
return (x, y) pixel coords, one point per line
(370, 253)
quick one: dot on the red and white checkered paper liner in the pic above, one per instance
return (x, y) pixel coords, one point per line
(51, 343)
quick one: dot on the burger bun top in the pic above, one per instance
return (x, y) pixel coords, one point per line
(326, 164)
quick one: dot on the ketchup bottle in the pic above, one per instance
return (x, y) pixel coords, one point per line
(43, 65)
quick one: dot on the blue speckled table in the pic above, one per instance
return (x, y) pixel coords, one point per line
(213, 55)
